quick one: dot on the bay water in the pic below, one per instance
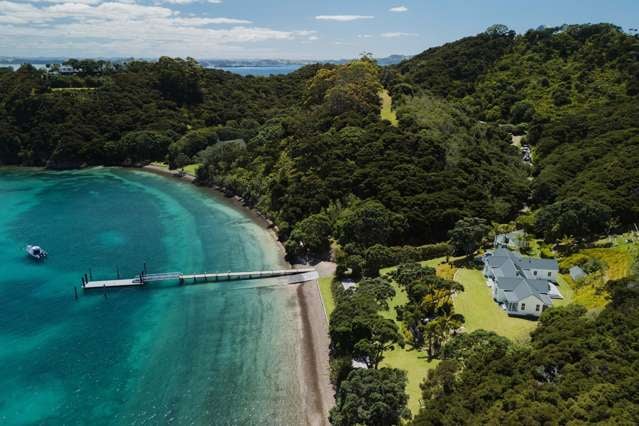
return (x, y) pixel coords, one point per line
(217, 353)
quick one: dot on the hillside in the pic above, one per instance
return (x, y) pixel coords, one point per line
(574, 88)
(373, 167)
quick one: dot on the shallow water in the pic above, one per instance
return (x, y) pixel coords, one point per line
(196, 354)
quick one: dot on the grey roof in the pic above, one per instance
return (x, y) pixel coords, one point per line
(540, 286)
(508, 283)
(523, 290)
(576, 273)
(508, 268)
(535, 263)
(502, 255)
(545, 298)
(503, 263)
(511, 297)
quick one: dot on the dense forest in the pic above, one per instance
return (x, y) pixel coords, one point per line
(572, 88)
(577, 370)
(311, 151)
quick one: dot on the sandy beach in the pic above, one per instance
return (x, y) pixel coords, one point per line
(313, 369)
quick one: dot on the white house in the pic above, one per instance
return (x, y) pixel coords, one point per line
(523, 285)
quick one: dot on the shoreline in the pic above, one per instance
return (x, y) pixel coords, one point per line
(253, 214)
(313, 369)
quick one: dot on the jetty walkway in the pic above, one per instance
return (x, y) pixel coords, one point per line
(293, 275)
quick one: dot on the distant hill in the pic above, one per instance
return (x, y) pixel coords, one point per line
(207, 62)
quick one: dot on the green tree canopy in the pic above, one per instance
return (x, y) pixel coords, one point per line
(310, 237)
(572, 217)
(468, 234)
(368, 223)
(371, 397)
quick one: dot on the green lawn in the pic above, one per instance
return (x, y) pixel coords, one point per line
(476, 304)
(73, 89)
(415, 363)
(191, 169)
(327, 294)
(566, 290)
(387, 108)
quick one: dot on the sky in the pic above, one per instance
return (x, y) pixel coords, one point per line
(292, 29)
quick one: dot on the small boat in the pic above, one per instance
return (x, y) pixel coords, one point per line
(36, 252)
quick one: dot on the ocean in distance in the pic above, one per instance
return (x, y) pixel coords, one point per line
(222, 353)
(262, 71)
(244, 71)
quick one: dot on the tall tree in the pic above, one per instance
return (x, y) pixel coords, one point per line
(384, 335)
(371, 397)
(468, 234)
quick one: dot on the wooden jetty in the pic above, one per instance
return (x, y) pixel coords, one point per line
(112, 283)
(294, 276)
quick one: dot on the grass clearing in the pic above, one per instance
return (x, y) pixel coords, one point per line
(387, 108)
(73, 89)
(191, 169)
(326, 291)
(415, 363)
(476, 304)
(617, 261)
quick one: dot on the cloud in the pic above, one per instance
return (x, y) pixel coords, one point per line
(342, 18)
(74, 1)
(198, 22)
(398, 34)
(398, 9)
(364, 36)
(177, 1)
(121, 29)
(186, 1)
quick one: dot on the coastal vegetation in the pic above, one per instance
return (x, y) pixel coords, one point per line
(577, 368)
(426, 170)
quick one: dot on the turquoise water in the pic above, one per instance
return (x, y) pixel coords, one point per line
(198, 354)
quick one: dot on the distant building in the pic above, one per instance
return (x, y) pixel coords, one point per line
(525, 286)
(346, 284)
(576, 273)
(512, 240)
(66, 70)
(358, 364)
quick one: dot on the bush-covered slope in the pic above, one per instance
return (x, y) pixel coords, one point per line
(593, 155)
(574, 87)
(577, 370)
(544, 72)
